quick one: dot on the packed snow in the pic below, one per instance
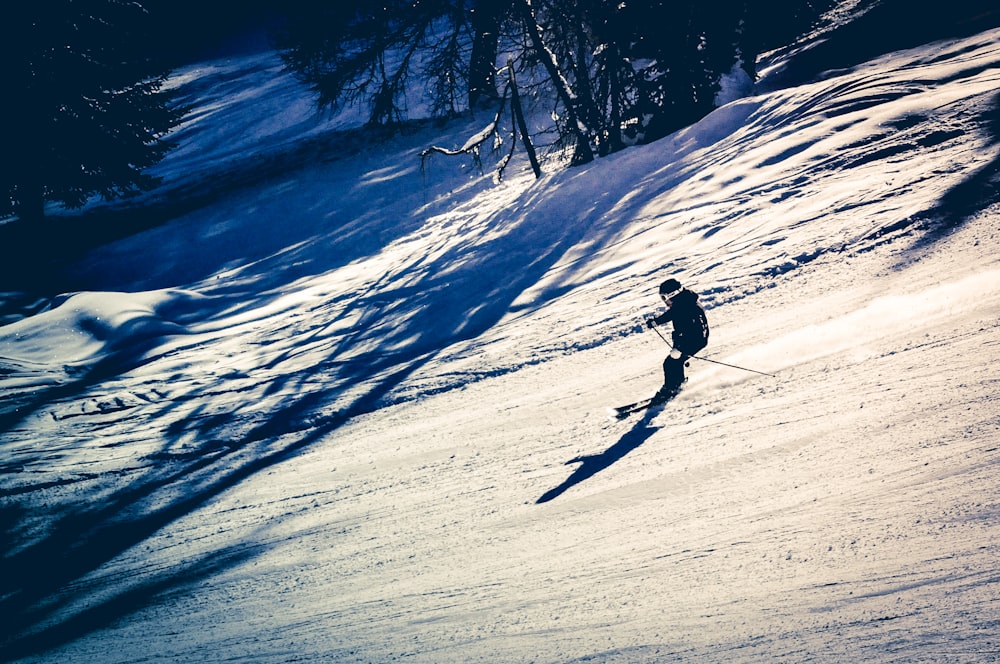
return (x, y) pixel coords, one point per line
(351, 410)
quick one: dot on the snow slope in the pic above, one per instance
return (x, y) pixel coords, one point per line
(350, 411)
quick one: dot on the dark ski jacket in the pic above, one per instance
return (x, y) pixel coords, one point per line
(690, 324)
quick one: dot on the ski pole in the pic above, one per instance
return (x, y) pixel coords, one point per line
(706, 359)
(657, 330)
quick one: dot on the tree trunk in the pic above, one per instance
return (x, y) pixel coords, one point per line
(581, 74)
(515, 104)
(482, 63)
(614, 91)
(582, 153)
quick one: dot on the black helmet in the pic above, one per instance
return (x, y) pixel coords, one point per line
(670, 287)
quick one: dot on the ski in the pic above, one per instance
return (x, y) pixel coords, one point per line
(624, 411)
(621, 412)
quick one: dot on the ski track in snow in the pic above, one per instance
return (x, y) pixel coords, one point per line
(317, 418)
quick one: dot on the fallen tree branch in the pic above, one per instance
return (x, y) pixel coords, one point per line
(492, 130)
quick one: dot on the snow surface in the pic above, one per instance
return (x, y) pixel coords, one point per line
(351, 411)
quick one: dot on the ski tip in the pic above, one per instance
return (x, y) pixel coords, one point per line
(616, 415)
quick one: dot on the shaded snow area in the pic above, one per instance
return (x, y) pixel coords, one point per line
(352, 411)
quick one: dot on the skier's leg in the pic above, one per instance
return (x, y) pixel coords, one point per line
(673, 371)
(673, 377)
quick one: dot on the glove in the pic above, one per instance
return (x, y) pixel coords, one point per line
(651, 323)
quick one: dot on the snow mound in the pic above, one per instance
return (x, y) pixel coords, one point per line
(87, 327)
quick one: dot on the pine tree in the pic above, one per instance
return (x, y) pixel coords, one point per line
(85, 110)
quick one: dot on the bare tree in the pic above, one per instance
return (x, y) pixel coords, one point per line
(367, 51)
(617, 72)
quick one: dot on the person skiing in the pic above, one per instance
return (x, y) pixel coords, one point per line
(690, 334)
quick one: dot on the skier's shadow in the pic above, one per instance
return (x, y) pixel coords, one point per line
(592, 464)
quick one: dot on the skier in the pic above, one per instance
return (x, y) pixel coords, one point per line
(690, 335)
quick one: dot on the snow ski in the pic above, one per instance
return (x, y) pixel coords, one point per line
(621, 412)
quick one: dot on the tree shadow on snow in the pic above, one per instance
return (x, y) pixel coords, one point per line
(960, 203)
(592, 464)
(69, 567)
(977, 192)
(48, 594)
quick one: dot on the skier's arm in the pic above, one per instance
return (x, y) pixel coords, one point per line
(665, 317)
